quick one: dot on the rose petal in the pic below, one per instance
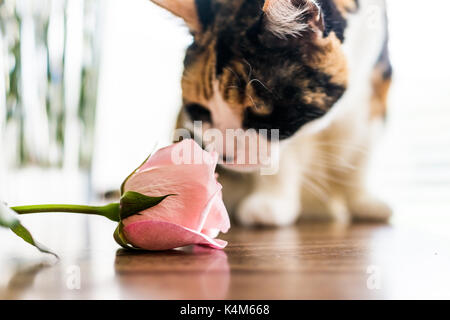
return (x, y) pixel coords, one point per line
(190, 195)
(218, 216)
(212, 233)
(158, 235)
(188, 173)
(184, 152)
(192, 185)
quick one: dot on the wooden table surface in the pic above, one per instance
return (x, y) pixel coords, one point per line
(309, 261)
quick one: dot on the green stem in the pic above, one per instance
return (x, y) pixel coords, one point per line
(110, 211)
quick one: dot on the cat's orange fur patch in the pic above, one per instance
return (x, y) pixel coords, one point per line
(266, 5)
(331, 59)
(197, 79)
(346, 6)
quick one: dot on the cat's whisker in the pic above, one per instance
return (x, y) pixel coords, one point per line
(260, 82)
(323, 183)
(250, 68)
(330, 178)
(315, 190)
(343, 146)
(253, 101)
(235, 74)
(355, 147)
(332, 167)
(335, 160)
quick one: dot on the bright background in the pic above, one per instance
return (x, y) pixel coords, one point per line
(139, 96)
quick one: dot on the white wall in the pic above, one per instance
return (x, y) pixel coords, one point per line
(412, 166)
(140, 91)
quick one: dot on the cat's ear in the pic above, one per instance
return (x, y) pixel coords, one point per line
(185, 9)
(292, 18)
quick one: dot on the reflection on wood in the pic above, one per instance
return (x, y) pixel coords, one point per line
(302, 262)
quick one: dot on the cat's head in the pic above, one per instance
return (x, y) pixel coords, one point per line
(255, 64)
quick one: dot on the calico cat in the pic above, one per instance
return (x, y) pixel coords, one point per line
(317, 71)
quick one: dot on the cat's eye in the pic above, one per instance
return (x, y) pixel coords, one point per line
(197, 112)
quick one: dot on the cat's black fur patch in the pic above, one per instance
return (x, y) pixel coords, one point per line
(384, 61)
(334, 21)
(286, 118)
(288, 112)
(284, 83)
(224, 45)
(205, 12)
(197, 112)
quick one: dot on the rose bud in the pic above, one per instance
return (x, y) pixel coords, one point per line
(172, 200)
(190, 209)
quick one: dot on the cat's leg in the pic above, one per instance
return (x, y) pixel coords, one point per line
(275, 199)
(347, 197)
(362, 205)
(366, 207)
(335, 185)
(317, 208)
(323, 186)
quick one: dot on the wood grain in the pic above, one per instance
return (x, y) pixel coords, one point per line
(302, 262)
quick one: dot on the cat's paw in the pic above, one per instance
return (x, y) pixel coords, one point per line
(267, 210)
(368, 208)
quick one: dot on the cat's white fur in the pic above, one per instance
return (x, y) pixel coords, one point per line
(285, 19)
(323, 167)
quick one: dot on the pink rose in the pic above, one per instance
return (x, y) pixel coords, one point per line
(194, 212)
